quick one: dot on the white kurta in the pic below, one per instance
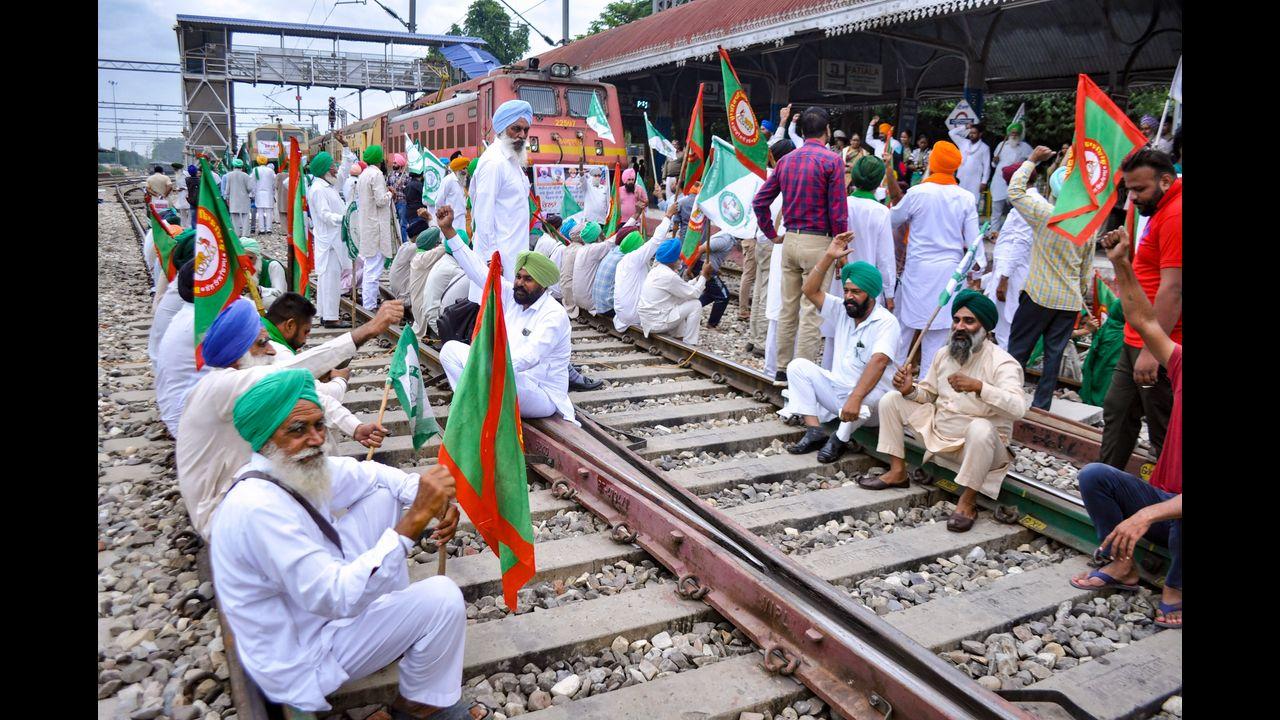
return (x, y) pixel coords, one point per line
(553, 249)
(585, 264)
(238, 188)
(944, 222)
(663, 293)
(595, 201)
(1006, 153)
(1012, 259)
(443, 275)
(398, 274)
(166, 308)
(630, 274)
(853, 345)
(327, 210)
(419, 270)
(975, 165)
(349, 188)
(264, 187)
(374, 200)
(175, 364)
(209, 449)
(452, 194)
(876, 145)
(309, 616)
(537, 336)
(873, 241)
(499, 210)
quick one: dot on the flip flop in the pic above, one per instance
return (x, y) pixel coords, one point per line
(960, 523)
(875, 483)
(1165, 609)
(1109, 582)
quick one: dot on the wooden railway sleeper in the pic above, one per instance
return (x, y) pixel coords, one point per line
(689, 586)
(778, 661)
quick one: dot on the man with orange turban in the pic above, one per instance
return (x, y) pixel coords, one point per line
(943, 222)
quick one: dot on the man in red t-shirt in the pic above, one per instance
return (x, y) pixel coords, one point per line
(1123, 508)
(1139, 386)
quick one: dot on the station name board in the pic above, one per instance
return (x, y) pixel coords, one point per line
(856, 78)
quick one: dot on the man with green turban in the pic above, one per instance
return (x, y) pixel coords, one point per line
(1011, 151)
(871, 224)
(328, 213)
(378, 228)
(339, 585)
(862, 337)
(537, 327)
(269, 271)
(962, 412)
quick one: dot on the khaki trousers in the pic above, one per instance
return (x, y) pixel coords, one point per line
(983, 450)
(800, 253)
(759, 326)
(745, 299)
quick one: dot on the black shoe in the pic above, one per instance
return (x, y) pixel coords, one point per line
(751, 346)
(781, 376)
(813, 439)
(832, 451)
(335, 324)
(586, 384)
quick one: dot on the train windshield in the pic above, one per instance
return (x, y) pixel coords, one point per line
(541, 97)
(261, 134)
(294, 134)
(580, 102)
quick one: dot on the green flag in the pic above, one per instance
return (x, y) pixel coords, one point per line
(694, 150)
(728, 188)
(1104, 137)
(597, 120)
(752, 148)
(568, 206)
(484, 447)
(614, 218)
(425, 163)
(163, 241)
(405, 375)
(657, 141)
(222, 268)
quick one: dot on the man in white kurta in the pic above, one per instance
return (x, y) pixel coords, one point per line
(175, 358)
(168, 299)
(238, 189)
(631, 272)
(429, 251)
(865, 336)
(378, 235)
(264, 194)
(668, 303)
(975, 169)
(537, 328)
(314, 600)
(962, 411)
(209, 450)
(327, 210)
(553, 247)
(500, 192)
(943, 223)
(871, 225)
(452, 190)
(445, 283)
(1011, 261)
(586, 261)
(1012, 151)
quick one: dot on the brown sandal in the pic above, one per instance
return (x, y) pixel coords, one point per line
(960, 523)
(875, 483)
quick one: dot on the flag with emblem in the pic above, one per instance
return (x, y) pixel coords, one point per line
(405, 376)
(728, 188)
(753, 149)
(299, 236)
(162, 234)
(694, 150)
(614, 218)
(222, 268)
(484, 448)
(1104, 137)
(424, 162)
(597, 120)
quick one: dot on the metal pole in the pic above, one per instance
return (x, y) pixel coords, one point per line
(564, 19)
(413, 16)
(117, 116)
(297, 95)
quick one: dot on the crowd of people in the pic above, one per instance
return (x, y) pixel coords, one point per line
(844, 312)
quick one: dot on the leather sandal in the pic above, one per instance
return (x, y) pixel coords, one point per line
(875, 483)
(959, 523)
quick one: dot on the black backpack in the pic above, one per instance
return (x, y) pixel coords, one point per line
(458, 321)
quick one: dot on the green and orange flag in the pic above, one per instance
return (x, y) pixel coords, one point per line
(695, 150)
(222, 268)
(162, 237)
(1104, 137)
(299, 235)
(614, 218)
(751, 147)
(484, 445)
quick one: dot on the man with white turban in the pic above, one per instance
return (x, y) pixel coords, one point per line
(264, 194)
(499, 192)
(238, 190)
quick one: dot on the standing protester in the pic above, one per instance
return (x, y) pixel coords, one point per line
(1057, 283)
(192, 181)
(671, 168)
(1011, 151)
(376, 224)
(1010, 261)
(976, 166)
(264, 194)
(633, 200)
(180, 195)
(238, 190)
(158, 186)
(499, 191)
(877, 143)
(918, 160)
(1139, 386)
(327, 211)
(871, 225)
(811, 180)
(282, 194)
(452, 189)
(766, 302)
(349, 182)
(943, 223)
(396, 182)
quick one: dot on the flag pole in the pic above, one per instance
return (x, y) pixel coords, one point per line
(1163, 114)
(442, 551)
(386, 390)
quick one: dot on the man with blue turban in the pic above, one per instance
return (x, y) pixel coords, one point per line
(962, 412)
(499, 191)
(864, 337)
(314, 600)
(632, 269)
(670, 304)
(238, 348)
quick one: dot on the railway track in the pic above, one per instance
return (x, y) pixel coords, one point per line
(687, 563)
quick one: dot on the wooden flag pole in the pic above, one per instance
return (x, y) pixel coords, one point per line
(386, 390)
(442, 552)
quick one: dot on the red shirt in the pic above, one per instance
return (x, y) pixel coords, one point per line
(1168, 472)
(1161, 248)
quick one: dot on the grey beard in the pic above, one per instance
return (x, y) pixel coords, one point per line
(963, 344)
(249, 360)
(310, 478)
(509, 146)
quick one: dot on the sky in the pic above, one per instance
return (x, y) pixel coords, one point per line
(143, 30)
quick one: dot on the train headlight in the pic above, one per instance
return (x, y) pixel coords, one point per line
(533, 143)
(560, 70)
(599, 147)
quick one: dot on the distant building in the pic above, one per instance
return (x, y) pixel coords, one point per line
(659, 5)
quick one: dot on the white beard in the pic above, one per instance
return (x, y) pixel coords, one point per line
(249, 360)
(508, 147)
(311, 479)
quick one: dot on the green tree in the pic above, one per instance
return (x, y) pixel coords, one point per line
(486, 19)
(620, 12)
(167, 150)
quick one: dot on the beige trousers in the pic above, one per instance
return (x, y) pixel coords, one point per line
(800, 253)
(745, 299)
(758, 329)
(983, 451)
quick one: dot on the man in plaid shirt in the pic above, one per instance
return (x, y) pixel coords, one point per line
(811, 180)
(1057, 282)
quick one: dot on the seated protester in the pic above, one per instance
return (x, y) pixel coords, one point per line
(1123, 508)
(168, 304)
(632, 270)
(552, 245)
(429, 250)
(669, 304)
(316, 601)
(175, 359)
(537, 328)
(963, 410)
(446, 284)
(271, 277)
(151, 258)
(398, 275)
(239, 349)
(587, 261)
(865, 335)
(606, 274)
(577, 243)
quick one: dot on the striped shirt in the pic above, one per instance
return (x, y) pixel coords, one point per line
(811, 180)
(606, 279)
(1060, 270)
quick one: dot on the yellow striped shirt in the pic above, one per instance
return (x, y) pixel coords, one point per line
(1059, 275)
